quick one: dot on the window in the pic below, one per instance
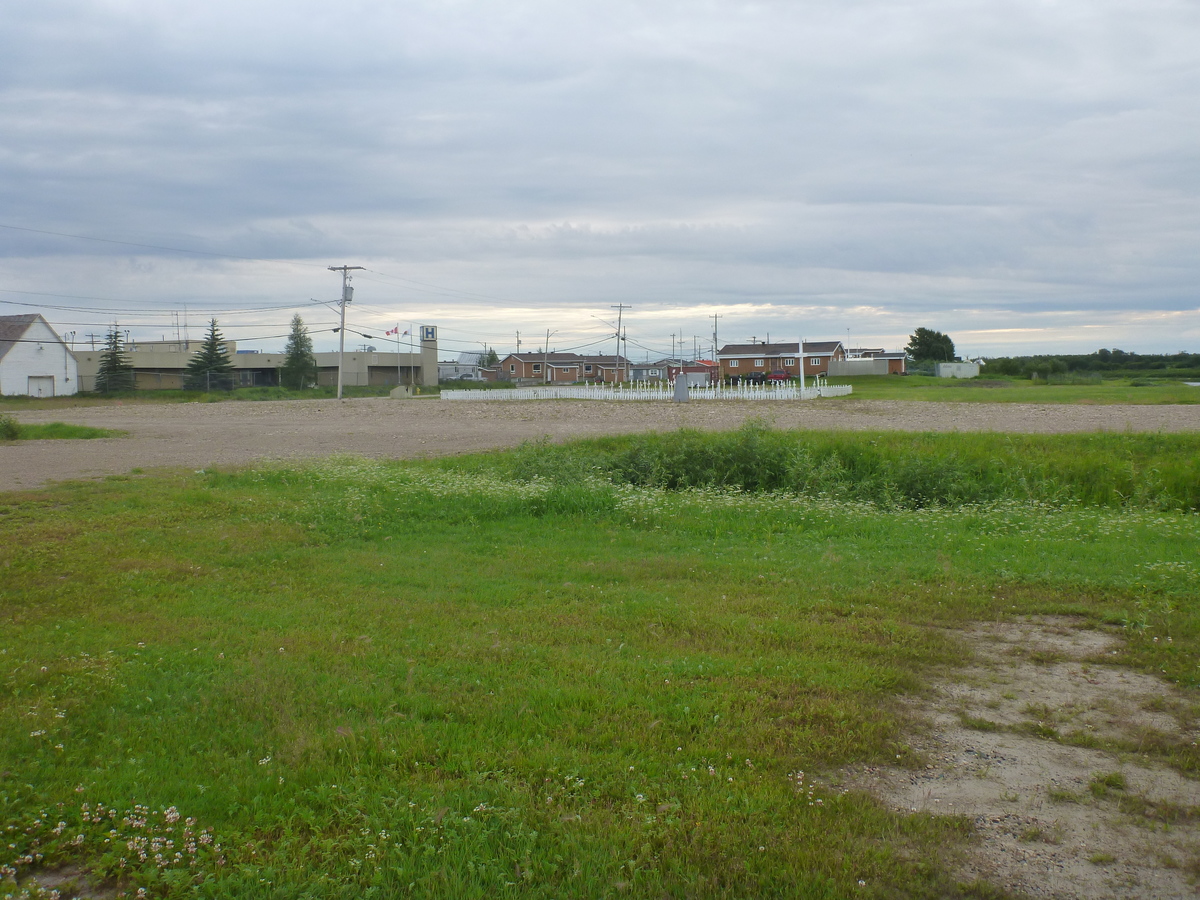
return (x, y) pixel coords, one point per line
(587, 368)
(654, 373)
(512, 367)
(814, 360)
(758, 364)
(537, 367)
(789, 362)
(733, 363)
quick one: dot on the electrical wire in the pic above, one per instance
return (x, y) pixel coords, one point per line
(263, 337)
(284, 262)
(438, 288)
(85, 237)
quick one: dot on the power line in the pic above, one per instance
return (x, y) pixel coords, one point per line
(153, 325)
(216, 255)
(85, 237)
(264, 337)
(245, 310)
(440, 288)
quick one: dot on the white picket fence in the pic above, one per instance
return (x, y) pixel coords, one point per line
(655, 391)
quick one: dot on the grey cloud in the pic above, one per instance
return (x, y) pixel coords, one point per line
(1020, 157)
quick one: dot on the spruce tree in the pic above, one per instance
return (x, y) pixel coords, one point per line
(210, 369)
(299, 369)
(115, 372)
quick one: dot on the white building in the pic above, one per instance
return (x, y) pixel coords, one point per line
(958, 370)
(34, 361)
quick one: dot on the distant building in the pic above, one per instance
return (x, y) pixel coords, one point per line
(160, 365)
(698, 372)
(34, 361)
(870, 361)
(777, 362)
(562, 368)
(957, 370)
(459, 371)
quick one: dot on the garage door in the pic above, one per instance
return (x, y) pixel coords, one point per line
(41, 385)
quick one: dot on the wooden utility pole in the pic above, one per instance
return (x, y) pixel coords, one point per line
(620, 308)
(347, 294)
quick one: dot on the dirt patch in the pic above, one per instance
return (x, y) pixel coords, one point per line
(68, 881)
(1055, 820)
(198, 435)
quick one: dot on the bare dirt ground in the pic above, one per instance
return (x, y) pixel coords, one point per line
(198, 435)
(1055, 820)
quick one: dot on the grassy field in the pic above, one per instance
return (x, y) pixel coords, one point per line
(1136, 391)
(604, 670)
(1147, 390)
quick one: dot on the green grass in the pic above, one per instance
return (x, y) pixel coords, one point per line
(116, 398)
(1143, 390)
(1138, 390)
(456, 679)
(11, 430)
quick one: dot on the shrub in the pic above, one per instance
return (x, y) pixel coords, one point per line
(10, 430)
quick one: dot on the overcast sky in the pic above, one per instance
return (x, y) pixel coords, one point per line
(1023, 175)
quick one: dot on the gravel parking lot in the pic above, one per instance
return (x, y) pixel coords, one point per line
(198, 435)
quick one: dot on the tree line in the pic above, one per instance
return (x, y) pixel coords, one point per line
(1112, 361)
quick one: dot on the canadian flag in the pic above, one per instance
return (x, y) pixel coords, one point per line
(395, 330)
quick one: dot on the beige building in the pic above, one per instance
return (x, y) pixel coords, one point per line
(160, 365)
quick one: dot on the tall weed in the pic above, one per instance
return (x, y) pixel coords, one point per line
(889, 469)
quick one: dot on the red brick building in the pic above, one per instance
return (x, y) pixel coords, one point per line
(777, 362)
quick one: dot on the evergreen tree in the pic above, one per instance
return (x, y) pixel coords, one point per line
(299, 369)
(210, 369)
(116, 372)
(927, 344)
